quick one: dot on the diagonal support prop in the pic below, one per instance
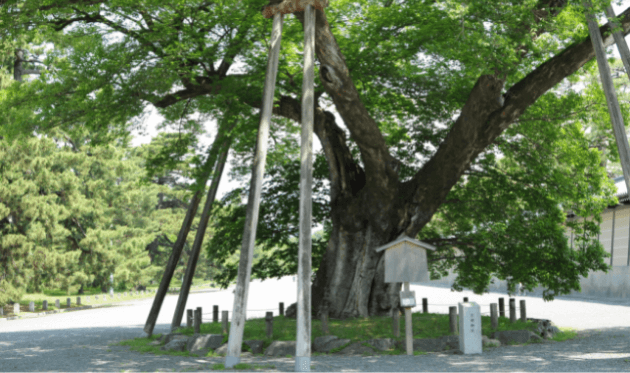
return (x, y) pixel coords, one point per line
(611, 97)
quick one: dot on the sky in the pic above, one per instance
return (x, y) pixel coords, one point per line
(226, 184)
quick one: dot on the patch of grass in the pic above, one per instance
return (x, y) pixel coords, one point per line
(354, 329)
(52, 294)
(565, 334)
(357, 329)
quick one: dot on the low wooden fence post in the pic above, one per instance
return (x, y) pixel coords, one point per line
(281, 308)
(269, 324)
(224, 321)
(324, 319)
(501, 307)
(189, 316)
(425, 305)
(215, 314)
(197, 321)
(523, 311)
(494, 321)
(452, 315)
(396, 322)
(512, 310)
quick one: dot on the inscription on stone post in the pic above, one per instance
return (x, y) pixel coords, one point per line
(470, 328)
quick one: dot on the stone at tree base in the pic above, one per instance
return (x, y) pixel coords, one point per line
(358, 348)
(487, 342)
(451, 341)
(199, 342)
(291, 311)
(382, 344)
(175, 345)
(328, 342)
(546, 328)
(515, 336)
(319, 343)
(427, 345)
(222, 351)
(281, 348)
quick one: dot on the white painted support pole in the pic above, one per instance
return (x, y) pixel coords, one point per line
(624, 52)
(408, 330)
(611, 97)
(303, 346)
(620, 40)
(251, 220)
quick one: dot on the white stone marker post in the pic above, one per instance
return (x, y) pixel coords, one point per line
(406, 261)
(470, 328)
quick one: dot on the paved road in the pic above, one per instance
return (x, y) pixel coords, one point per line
(78, 341)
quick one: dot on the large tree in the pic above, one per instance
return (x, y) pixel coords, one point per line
(426, 89)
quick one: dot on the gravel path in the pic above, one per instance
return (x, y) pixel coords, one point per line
(78, 341)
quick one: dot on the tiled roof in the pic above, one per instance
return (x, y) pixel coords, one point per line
(622, 191)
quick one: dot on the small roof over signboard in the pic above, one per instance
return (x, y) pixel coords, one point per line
(406, 260)
(406, 239)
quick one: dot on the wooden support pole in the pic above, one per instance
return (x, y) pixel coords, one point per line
(408, 329)
(172, 264)
(251, 219)
(201, 231)
(512, 310)
(620, 40)
(611, 97)
(303, 345)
